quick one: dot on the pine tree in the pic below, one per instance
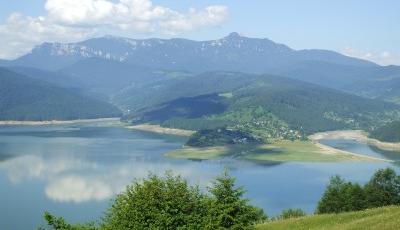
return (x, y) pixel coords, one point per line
(228, 209)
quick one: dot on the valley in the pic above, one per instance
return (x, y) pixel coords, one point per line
(95, 114)
(271, 110)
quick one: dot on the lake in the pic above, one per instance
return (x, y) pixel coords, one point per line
(75, 170)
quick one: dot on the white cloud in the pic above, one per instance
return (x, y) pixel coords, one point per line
(71, 20)
(381, 58)
(75, 12)
(20, 33)
(211, 16)
(140, 15)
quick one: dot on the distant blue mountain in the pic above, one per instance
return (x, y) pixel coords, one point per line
(233, 53)
(110, 63)
(55, 78)
(5, 62)
(108, 76)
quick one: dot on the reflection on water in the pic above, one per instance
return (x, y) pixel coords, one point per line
(395, 156)
(361, 148)
(74, 171)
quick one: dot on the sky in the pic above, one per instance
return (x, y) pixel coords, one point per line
(367, 29)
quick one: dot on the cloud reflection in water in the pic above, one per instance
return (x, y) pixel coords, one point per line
(70, 179)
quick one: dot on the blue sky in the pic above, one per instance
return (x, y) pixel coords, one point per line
(366, 29)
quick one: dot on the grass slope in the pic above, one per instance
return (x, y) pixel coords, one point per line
(379, 218)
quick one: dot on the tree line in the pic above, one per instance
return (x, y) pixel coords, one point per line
(341, 196)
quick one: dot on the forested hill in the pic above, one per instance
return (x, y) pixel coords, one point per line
(228, 98)
(24, 98)
(387, 133)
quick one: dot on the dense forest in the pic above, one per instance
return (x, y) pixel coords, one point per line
(24, 98)
(388, 133)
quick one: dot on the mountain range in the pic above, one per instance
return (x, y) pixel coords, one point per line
(140, 75)
(231, 53)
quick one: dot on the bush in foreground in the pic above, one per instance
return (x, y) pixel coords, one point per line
(170, 203)
(383, 189)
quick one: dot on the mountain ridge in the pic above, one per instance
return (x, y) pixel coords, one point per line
(234, 52)
(176, 53)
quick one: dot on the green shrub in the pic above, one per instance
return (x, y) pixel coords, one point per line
(340, 196)
(383, 189)
(157, 203)
(291, 213)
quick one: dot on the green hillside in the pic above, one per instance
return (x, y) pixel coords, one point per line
(24, 98)
(378, 218)
(254, 103)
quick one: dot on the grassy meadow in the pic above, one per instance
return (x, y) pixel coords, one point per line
(279, 151)
(303, 151)
(378, 218)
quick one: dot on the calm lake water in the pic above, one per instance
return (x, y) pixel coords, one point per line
(74, 171)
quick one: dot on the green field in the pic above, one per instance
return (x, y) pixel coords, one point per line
(378, 218)
(279, 151)
(208, 153)
(285, 150)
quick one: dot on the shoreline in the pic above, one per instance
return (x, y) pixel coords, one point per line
(325, 149)
(161, 130)
(57, 122)
(357, 135)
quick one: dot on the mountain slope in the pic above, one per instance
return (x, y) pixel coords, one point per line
(4, 62)
(54, 78)
(23, 98)
(103, 76)
(382, 83)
